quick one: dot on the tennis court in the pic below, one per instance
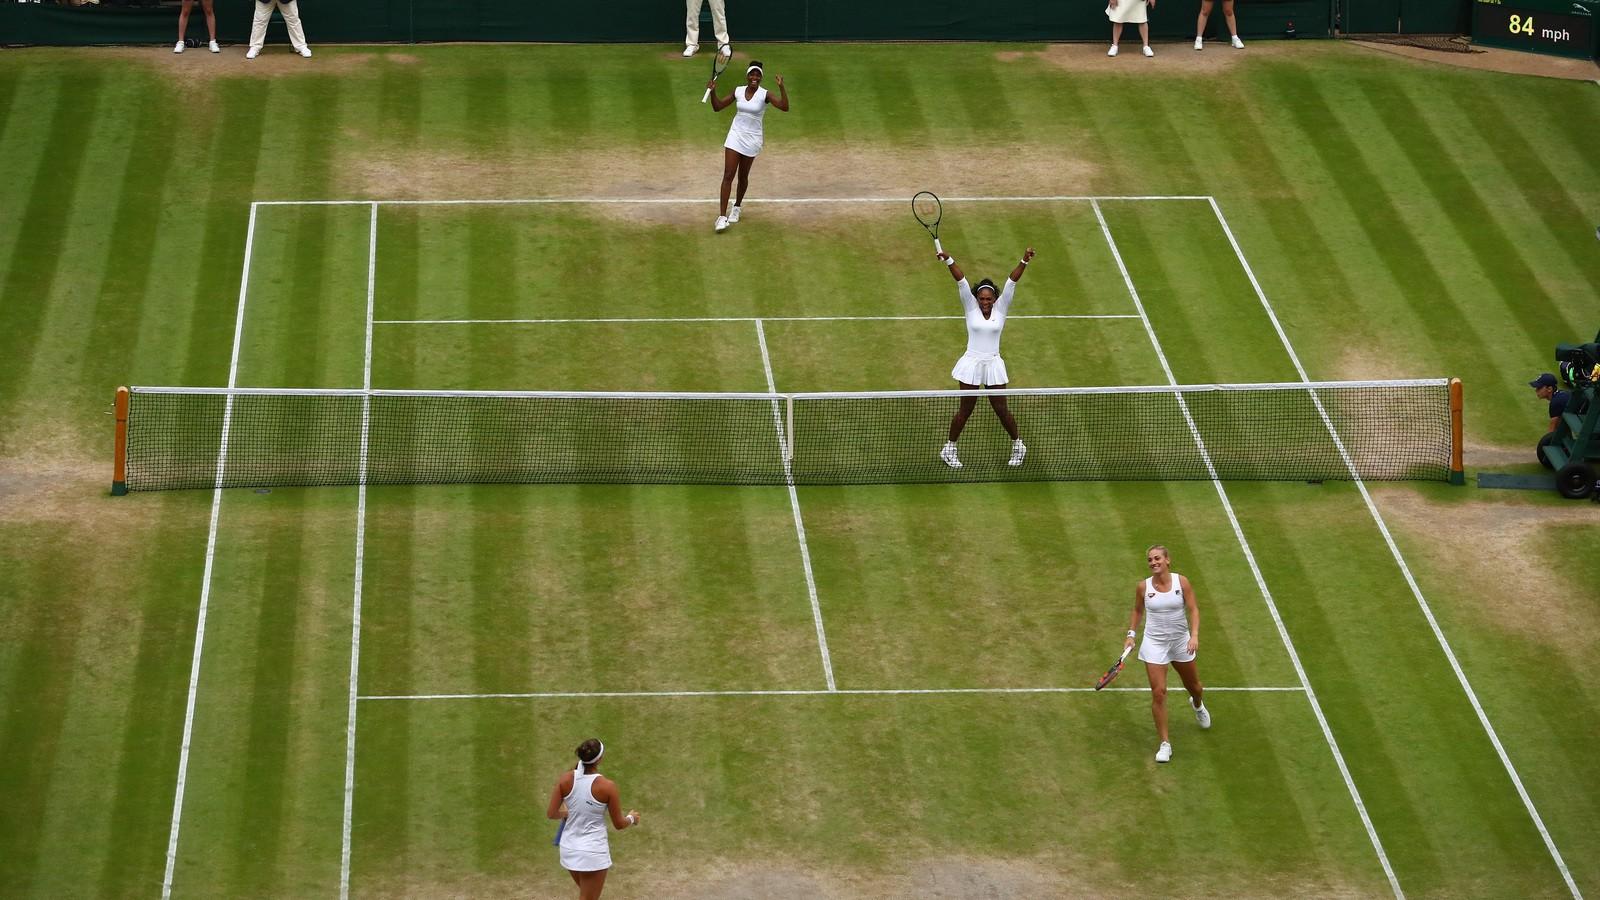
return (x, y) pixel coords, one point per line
(819, 691)
(489, 621)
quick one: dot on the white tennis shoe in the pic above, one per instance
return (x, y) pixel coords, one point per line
(215, 48)
(304, 51)
(1148, 51)
(1199, 43)
(1202, 715)
(733, 215)
(948, 454)
(252, 53)
(178, 48)
(1164, 752)
(1018, 451)
(1237, 44)
(1112, 51)
(689, 51)
(722, 223)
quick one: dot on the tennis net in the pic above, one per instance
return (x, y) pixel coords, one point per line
(255, 437)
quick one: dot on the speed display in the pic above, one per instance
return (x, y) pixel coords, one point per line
(1563, 27)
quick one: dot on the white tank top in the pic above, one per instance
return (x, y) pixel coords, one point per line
(585, 830)
(748, 119)
(1165, 617)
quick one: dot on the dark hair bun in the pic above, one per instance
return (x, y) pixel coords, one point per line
(756, 63)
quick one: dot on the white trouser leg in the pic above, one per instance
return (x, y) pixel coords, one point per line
(258, 26)
(719, 21)
(291, 18)
(692, 26)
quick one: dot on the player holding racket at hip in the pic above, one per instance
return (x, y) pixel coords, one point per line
(981, 366)
(745, 135)
(1171, 637)
(581, 799)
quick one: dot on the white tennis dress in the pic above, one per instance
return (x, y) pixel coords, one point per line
(1166, 626)
(981, 364)
(1128, 12)
(584, 844)
(745, 135)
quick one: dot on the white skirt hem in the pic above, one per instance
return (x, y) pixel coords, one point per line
(585, 860)
(744, 142)
(1161, 651)
(985, 371)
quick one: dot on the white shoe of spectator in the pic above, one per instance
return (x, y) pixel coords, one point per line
(733, 215)
(689, 51)
(1199, 43)
(252, 53)
(1148, 51)
(1112, 51)
(178, 48)
(215, 48)
(722, 223)
(1237, 44)
(305, 51)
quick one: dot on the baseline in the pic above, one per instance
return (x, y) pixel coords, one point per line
(670, 319)
(1400, 560)
(662, 201)
(1249, 555)
(840, 692)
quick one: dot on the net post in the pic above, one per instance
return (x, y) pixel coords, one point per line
(119, 464)
(788, 428)
(1457, 473)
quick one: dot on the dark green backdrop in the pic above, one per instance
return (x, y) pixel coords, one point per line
(404, 21)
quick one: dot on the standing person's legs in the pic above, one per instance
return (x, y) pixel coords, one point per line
(258, 25)
(1144, 33)
(211, 17)
(183, 20)
(1158, 697)
(691, 28)
(719, 22)
(1200, 20)
(1004, 413)
(291, 18)
(730, 167)
(590, 884)
(1191, 682)
(744, 177)
(1116, 33)
(1227, 16)
(958, 422)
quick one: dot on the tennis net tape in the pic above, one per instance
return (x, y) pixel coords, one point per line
(216, 437)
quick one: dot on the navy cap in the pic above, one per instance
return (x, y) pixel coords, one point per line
(1543, 381)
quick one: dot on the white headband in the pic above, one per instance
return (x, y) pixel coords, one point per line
(596, 759)
(753, 69)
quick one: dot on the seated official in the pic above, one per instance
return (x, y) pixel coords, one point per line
(1545, 387)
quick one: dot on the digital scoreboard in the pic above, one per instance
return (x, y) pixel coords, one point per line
(1560, 27)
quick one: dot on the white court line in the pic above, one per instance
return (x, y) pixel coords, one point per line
(662, 201)
(205, 578)
(1261, 581)
(671, 319)
(794, 504)
(361, 544)
(1400, 560)
(845, 692)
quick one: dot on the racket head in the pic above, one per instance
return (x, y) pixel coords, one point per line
(928, 210)
(719, 62)
(1116, 668)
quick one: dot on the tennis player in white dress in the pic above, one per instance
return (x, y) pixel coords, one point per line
(745, 135)
(1123, 12)
(581, 800)
(1171, 637)
(981, 366)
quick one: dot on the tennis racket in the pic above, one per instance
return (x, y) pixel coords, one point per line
(560, 827)
(1116, 667)
(718, 64)
(928, 210)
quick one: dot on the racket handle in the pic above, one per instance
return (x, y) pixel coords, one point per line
(707, 96)
(937, 248)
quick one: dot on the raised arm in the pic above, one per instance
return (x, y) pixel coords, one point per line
(1022, 266)
(955, 270)
(782, 100)
(718, 104)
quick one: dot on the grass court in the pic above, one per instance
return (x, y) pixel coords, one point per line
(830, 691)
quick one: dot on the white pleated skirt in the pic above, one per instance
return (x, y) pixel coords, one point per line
(743, 142)
(980, 369)
(1161, 651)
(575, 859)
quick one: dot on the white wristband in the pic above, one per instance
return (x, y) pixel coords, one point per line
(949, 260)
(631, 819)
(1132, 634)
(1023, 261)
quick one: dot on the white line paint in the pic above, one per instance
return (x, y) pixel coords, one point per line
(205, 577)
(667, 201)
(672, 319)
(794, 504)
(361, 545)
(1249, 555)
(1400, 560)
(846, 692)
